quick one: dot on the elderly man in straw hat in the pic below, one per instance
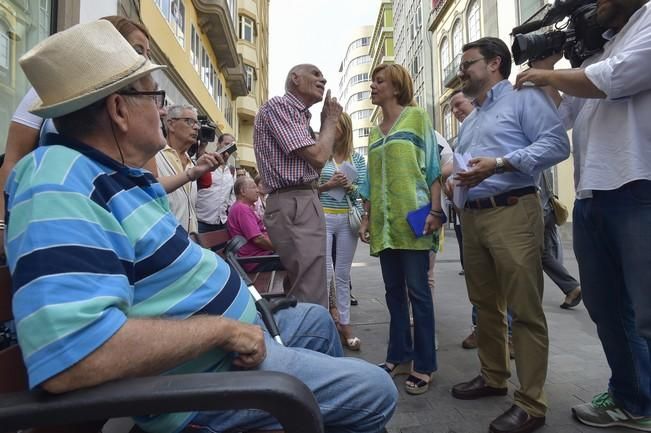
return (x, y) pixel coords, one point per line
(106, 284)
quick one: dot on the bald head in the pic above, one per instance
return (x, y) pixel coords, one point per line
(289, 81)
(307, 83)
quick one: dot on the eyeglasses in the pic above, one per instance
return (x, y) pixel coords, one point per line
(463, 66)
(188, 120)
(158, 96)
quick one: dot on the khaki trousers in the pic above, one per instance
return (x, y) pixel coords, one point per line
(296, 226)
(502, 253)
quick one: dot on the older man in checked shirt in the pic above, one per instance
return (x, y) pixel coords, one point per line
(290, 158)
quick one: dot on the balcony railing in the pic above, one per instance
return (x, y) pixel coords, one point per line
(450, 71)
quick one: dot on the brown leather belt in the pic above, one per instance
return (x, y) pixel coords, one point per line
(508, 198)
(302, 186)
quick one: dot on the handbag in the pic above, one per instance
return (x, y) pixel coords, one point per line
(561, 213)
(354, 216)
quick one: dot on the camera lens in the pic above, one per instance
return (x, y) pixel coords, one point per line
(537, 46)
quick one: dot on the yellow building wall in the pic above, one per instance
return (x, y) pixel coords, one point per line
(178, 57)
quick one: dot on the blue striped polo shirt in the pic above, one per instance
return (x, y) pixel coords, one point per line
(91, 243)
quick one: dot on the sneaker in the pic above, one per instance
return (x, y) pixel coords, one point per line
(603, 412)
(470, 342)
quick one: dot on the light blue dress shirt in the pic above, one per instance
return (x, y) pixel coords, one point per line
(520, 125)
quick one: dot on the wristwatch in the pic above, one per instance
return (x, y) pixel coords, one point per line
(499, 165)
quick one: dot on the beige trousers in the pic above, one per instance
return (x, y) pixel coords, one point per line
(296, 227)
(502, 253)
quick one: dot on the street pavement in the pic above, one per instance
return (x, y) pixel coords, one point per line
(577, 366)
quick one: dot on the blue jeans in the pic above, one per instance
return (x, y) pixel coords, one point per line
(354, 396)
(612, 242)
(410, 267)
(509, 319)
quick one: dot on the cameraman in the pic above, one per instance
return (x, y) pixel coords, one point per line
(607, 103)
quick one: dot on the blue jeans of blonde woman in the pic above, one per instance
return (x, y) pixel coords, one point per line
(337, 227)
(353, 395)
(400, 267)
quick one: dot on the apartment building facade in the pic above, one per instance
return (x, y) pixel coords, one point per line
(216, 52)
(382, 48)
(354, 86)
(412, 48)
(453, 23)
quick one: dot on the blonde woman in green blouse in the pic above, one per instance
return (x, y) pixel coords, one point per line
(403, 175)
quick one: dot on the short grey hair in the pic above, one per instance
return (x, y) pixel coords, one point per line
(177, 110)
(289, 82)
(240, 183)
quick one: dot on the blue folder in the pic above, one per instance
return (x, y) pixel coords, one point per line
(416, 219)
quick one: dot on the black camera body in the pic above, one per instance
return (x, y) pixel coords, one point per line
(207, 130)
(581, 38)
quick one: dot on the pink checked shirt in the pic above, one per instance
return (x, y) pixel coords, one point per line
(282, 126)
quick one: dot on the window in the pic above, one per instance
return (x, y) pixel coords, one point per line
(457, 38)
(219, 91)
(195, 48)
(44, 17)
(23, 24)
(359, 78)
(233, 10)
(228, 110)
(361, 114)
(4, 48)
(361, 60)
(178, 20)
(211, 79)
(415, 67)
(205, 68)
(526, 8)
(361, 42)
(164, 6)
(444, 56)
(473, 21)
(359, 96)
(363, 132)
(447, 122)
(250, 78)
(174, 13)
(247, 29)
(363, 150)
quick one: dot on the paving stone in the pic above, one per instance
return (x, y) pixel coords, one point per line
(577, 367)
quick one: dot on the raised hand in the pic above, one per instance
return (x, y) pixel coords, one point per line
(331, 109)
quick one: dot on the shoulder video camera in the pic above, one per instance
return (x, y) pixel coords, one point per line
(207, 129)
(580, 38)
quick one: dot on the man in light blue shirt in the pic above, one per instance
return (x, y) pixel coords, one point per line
(607, 102)
(511, 138)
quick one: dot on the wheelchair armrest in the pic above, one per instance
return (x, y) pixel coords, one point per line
(282, 396)
(258, 259)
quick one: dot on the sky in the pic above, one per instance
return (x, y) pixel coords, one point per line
(313, 31)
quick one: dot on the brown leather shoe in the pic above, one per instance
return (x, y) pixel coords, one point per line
(475, 389)
(516, 420)
(470, 342)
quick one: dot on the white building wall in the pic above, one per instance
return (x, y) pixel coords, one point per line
(412, 47)
(354, 85)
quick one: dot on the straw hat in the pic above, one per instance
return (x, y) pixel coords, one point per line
(83, 64)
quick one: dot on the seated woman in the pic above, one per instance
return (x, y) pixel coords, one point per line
(243, 221)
